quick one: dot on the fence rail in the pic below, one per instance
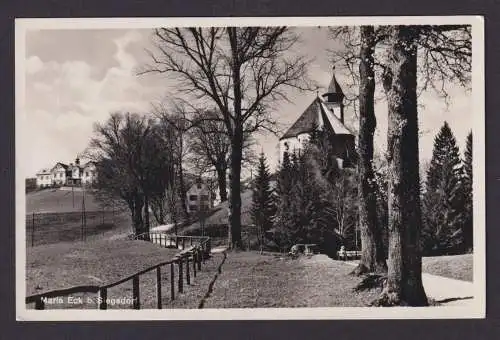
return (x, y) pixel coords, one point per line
(195, 255)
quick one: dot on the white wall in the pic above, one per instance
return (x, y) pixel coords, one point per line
(44, 179)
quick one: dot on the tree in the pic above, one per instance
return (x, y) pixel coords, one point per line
(210, 150)
(132, 162)
(468, 194)
(242, 71)
(372, 251)
(404, 279)
(443, 198)
(263, 205)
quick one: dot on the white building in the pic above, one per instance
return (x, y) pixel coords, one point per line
(44, 178)
(63, 174)
(326, 113)
(199, 198)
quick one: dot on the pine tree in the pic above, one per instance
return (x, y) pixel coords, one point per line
(443, 197)
(263, 205)
(468, 198)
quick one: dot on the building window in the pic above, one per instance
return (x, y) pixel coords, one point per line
(204, 197)
(199, 186)
(86, 174)
(193, 197)
(193, 207)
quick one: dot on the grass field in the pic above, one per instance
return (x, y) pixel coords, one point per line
(455, 267)
(57, 200)
(251, 280)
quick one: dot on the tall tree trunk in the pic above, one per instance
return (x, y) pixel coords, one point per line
(138, 221)
(404, 280)
(182, 186)
(146, 214)
(234, 201)
(372, 247)
(236, 146)
(221, 180)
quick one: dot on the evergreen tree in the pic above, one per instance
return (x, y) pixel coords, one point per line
(467, 189)
(263, 206)
(443, 198)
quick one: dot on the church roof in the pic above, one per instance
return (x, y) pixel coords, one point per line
(315, 115)
(334, 87)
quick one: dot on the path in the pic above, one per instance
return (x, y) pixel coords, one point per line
(446, 291)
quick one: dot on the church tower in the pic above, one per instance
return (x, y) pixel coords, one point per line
(334, 98)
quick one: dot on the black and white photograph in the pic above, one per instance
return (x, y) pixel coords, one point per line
(250, 168)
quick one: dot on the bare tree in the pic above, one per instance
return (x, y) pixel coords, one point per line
(243, 71)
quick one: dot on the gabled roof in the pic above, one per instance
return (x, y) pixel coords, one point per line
(316, 114)
(307, 120)
(61, 164)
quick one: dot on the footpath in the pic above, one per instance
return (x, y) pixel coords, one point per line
(446, 291)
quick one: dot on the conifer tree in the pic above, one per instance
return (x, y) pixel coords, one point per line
(443, 198)
(263, 205)
(467, 189)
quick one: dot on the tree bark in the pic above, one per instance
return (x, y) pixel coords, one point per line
(138, 221)
(234, 217)
(404, 280)
(182, 186)
(234, 201)
(221, 180)
(372, 247)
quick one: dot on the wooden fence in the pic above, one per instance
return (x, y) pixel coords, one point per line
(194, 256)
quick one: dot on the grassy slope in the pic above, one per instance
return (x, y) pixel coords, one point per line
(456, 267)
(64, 265)
(250, 280)
(55, 200)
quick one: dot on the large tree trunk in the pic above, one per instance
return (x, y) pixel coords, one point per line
(372, 247)
(234, 201)
(234, 217)
(146, 214)
(404, 281)
(138, 221)
(221, 180)
(182, 186)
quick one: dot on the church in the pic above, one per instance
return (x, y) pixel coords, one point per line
(327, 114)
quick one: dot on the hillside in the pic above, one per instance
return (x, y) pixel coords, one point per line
(218, 215)
(57, 200)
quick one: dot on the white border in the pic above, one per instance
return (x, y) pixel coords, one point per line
(22, 142)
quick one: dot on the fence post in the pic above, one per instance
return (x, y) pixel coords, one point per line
(198, 260)
(136, 292)
(103, 295)
(188, 275)
(172, 283)
(183, 243)
(180, 283)
(39, 304)
(33, 230)
(195, 256)
(158, 287)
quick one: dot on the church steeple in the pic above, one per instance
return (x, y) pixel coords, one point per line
(334, 97)
(334, 93)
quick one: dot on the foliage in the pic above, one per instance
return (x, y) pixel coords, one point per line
(443, 197)
(468, 196)
(263, 204)
(317, 201)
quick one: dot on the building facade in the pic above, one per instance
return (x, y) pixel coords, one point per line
(199, 198)
(324, 113)
(63, 174)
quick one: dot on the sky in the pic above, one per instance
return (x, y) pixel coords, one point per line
(75, 78)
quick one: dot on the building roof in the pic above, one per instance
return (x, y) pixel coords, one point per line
(316, 114)
(61, 164)
(334, 87)
(43, 172)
